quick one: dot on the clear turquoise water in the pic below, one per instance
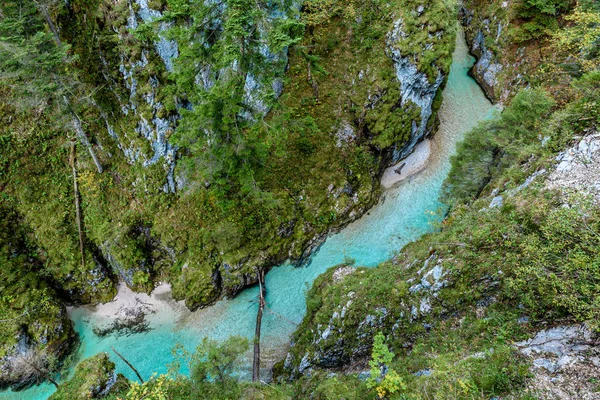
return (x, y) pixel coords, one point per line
(403, 214)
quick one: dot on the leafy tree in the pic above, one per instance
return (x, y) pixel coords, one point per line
(216, 362)
(581, 39)
(32, 64)
(533, 8)
(541, 16)
(212, 373)
(36, 66)
(220, 63)
(502, 141)
(384, 379)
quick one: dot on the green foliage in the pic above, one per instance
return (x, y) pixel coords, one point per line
(556, 273)
(535, 255)
(217, 362)
(532, 8)
(577, 116)
(91, 378)
(505, 140)
(31, 63)
(258, 188)
(28, 304)
(321, 385)
(386, 381)
(214, 369)
(36, 75)
(215, 130)
(540, 16)
(466, 359)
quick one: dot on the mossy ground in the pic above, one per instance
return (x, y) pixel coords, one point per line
(534, 256)
(312, 185)
(92, 378)
(501, 263)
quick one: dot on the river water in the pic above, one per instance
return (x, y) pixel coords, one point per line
(404, 213)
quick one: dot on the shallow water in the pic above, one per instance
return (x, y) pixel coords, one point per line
(404, 213)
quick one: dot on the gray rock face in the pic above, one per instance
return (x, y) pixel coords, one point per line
(157, 128)
(564, 363)
(556, 348)
(16, 369)
(344, 338)
(578, 168)
(415, 87)
(345, 134)
(231, 281)
(497, 202)
(341, 273)
(485, 70)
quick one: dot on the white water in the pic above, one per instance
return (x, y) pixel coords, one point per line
(404, 213)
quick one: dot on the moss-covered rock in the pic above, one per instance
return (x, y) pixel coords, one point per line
(34, 328)
(343, 114)
(510, 42)
(511, 259)
(345, 311)
(338, 114)
(94, 378)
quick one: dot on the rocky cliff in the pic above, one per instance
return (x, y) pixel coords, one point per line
(482, 295)
(387, 99)
(320, 100)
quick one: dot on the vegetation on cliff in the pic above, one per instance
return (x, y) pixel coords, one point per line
(275, 136)
(511, 258)
(254, 189)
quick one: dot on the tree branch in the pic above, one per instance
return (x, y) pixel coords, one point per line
(128, 364)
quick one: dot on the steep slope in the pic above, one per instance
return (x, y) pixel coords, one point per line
(194, 142)
(516, 254)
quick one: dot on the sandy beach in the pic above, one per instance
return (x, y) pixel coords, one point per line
(158, 307)
(410, 166)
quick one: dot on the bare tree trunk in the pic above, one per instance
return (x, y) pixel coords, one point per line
(75, 118)
(128, 364)
(77, 203)
(52, 381)
(82, 136)
(312, 81)
(51, 25)
(261, 306)
(85, 141)
(40, 370)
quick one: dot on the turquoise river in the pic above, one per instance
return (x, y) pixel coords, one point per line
(404, 213)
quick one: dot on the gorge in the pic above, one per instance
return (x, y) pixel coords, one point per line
(404, 213)
(414, 184)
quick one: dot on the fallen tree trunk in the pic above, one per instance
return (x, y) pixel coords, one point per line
(81, 134)
(77, 203)
(128, 364)
(259, 314)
